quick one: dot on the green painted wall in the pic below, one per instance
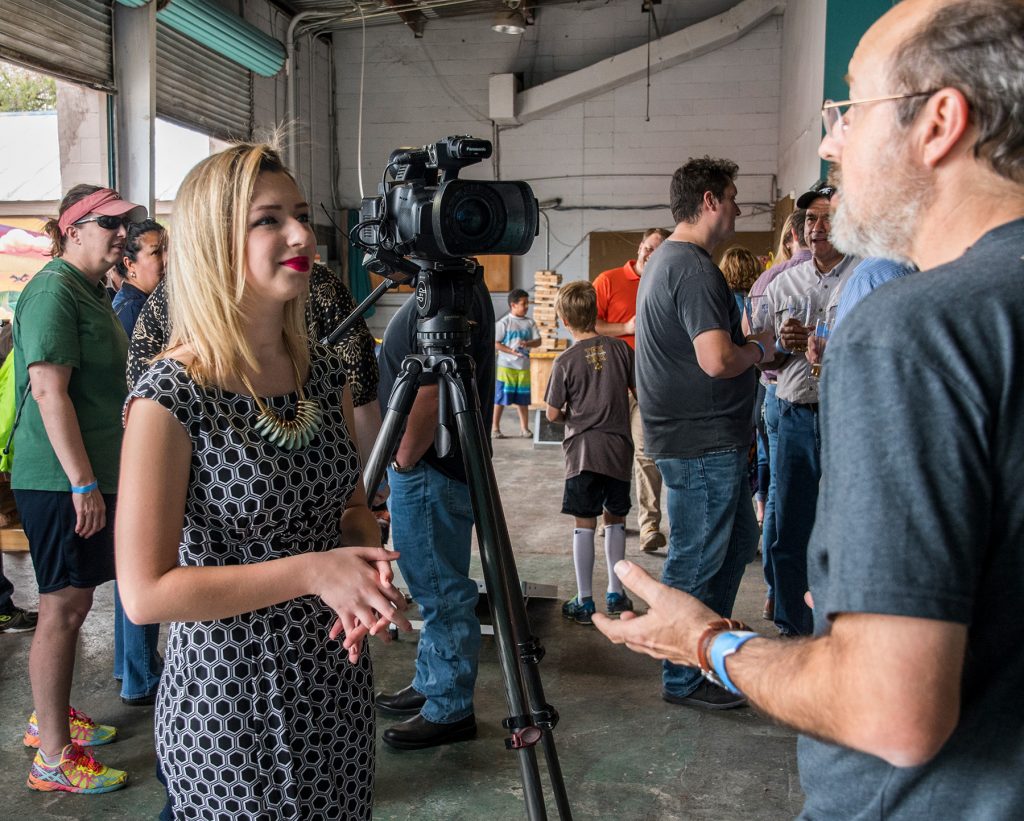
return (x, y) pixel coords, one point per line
(845, 23)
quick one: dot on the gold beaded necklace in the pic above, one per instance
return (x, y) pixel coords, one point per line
(288, 434)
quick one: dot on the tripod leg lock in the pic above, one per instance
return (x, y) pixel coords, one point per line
(524, 732)
(531, 651)
(546, 718)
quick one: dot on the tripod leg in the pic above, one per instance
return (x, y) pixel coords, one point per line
(403, 394)
(518, 650)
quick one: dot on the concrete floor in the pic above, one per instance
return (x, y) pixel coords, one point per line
(625, 754)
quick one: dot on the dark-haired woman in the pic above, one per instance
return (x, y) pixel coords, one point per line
(69, 345)
(141, 267)
(137, 663)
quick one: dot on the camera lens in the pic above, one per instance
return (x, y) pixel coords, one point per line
(472, 217)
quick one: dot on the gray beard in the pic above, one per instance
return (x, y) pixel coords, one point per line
(895, 200)
(885, 236)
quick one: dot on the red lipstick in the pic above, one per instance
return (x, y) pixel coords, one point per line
(297, 263)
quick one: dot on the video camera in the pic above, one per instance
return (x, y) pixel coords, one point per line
(427, 213)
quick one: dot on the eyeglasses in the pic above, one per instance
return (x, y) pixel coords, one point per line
(107, 223)
(833, 114)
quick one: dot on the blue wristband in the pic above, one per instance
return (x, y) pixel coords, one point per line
(724, 645)
(781, 349)
(89, 488)
(760, 347)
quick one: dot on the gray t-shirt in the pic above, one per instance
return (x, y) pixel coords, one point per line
(400, 341)
(921, 515)
(685, 412)
(592, 379)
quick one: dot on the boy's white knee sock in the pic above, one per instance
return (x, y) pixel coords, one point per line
(583, 560)
(614, 551)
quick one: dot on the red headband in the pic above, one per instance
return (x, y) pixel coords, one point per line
(105, 202)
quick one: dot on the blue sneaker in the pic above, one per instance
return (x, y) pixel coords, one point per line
(579, 611)
(618, 603)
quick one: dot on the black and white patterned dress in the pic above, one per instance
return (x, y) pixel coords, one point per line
(261, 716)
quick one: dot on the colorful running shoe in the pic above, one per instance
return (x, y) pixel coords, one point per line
(84, 731)
(77, 771)
(579, 611)
(618, 603)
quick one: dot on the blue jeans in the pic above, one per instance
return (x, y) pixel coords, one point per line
(770, 527)
(799, 471)
(432, 527)
(712, 536)
(136, 659)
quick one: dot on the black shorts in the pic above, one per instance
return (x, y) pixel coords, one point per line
(588, 494)
(60, 556)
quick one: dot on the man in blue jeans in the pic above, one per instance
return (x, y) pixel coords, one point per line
(432, 528)
(695, 380)
(770, 408)
(817, 285)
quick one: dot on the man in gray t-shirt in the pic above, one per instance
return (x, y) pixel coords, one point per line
(908, 696)
(695, 380)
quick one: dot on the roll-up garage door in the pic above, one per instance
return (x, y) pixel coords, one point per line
(68, 38)
(200, 89)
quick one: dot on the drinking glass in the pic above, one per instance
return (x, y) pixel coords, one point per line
(757, 312)
(799, 308)
(822, 331)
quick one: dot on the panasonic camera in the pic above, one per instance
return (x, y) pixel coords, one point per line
(427, 213)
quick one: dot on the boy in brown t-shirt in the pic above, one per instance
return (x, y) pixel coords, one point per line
(588, 391)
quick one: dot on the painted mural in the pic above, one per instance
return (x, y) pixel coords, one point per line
(24, 249)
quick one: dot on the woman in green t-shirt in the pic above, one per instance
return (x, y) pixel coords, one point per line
(70, 347)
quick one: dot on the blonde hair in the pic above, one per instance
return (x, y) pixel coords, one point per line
(206, 265)
(740, 267)
(785, 250)
(576, 303)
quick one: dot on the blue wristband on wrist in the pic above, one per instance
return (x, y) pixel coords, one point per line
(723, 646)
(780, 349)
(760, 347)
(89, 488)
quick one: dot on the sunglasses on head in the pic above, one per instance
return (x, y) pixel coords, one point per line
(107, 223)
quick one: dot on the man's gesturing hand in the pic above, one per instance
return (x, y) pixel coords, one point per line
(671, 626)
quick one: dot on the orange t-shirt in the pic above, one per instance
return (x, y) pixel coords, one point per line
(616, 296)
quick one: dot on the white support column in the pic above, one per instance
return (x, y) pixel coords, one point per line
(135, 76)
(82, 136)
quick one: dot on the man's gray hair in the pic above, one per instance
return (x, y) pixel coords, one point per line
(977, 47)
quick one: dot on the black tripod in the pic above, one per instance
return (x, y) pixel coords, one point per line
(444, 292)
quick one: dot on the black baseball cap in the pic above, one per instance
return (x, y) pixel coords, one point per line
(820, 189)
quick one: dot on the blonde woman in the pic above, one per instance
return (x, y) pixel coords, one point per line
(239, 482)
(784, 252)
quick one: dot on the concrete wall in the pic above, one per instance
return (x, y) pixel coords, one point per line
(602, 153)
(314, 108)
(803, 73)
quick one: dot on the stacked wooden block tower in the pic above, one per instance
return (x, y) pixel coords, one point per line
(544, 292)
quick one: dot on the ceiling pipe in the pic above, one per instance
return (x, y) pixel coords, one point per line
(289, 66)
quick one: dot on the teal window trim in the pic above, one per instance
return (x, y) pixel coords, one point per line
(221, 31)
